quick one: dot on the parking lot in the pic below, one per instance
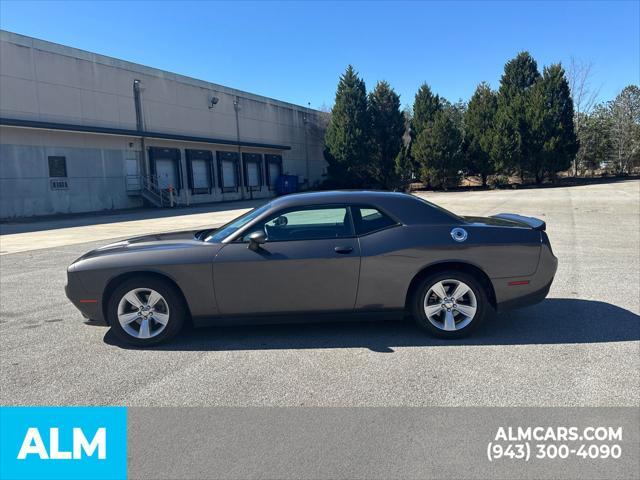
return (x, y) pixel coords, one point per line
(580, 347)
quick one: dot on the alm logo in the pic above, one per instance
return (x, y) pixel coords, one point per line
(63, 443)
(33, 445)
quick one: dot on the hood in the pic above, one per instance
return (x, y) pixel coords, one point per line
(163, 237)
(156, 241)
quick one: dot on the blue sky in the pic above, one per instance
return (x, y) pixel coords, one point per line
(295, 51)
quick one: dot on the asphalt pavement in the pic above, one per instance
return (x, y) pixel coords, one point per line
(580, 347)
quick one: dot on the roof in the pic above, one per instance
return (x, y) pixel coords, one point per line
(337, 196)
(407, 208)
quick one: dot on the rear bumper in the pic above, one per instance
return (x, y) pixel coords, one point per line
(524, 291)
(526, 300)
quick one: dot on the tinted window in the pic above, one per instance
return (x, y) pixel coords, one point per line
(367, 220)
(233, 226)
(309, 224)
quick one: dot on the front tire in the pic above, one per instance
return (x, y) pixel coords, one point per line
(449, 304)
(145, 311)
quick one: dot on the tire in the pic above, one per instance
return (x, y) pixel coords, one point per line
(140, 325)
(446, 318)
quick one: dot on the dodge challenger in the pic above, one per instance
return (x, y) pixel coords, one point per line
(315, 256)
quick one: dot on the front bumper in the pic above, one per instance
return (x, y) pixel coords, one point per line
(90, 305)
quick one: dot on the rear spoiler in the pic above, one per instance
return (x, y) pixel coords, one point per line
(531, 222)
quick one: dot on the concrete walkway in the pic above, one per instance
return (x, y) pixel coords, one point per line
(25, 236)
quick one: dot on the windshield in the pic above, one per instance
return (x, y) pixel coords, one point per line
(235, 225)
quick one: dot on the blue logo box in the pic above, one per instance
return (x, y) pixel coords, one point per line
(63, 443)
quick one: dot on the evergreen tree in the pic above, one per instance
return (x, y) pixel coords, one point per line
(551, 115)
(403, 168)
(425, 106)
(512, 144)
(387, 130)
(437, 148)
(347, 138)
(479, 131)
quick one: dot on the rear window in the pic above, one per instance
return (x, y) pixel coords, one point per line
(369, 219)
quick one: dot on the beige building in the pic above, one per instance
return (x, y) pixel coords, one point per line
(84, 132)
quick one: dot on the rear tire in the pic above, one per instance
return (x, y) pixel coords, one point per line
(145, 311)
(449, 304)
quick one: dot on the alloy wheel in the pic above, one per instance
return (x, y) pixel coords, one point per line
(143, 313)
(450, 305)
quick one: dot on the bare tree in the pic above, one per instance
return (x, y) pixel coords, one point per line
(584, 96)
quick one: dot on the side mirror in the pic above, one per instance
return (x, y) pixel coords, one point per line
(256, 239)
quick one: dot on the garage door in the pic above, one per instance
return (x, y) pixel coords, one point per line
(200, 169)
(165, 170)
(253, 174)
(274, 173)
(229, 174)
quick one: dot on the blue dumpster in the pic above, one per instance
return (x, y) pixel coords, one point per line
(286, 184)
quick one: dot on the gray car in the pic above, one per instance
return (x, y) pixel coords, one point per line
(319, 256)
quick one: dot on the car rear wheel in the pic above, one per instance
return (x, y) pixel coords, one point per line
(145, 311)
(449, 304)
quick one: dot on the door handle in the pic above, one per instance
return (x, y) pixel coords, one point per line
(343, 250)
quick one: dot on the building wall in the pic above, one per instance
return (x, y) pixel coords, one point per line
(42, 81)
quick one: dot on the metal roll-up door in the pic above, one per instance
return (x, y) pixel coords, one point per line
(199, 165)
(273, 167)
(165, 167)
(228, 174)
(252, 170)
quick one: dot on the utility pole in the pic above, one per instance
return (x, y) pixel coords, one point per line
(305, 120)
(236, 107)
(137, 99)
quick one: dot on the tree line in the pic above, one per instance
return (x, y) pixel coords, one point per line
(528, 128)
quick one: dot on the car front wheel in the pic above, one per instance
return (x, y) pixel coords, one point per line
(450, 304)
(145, 311)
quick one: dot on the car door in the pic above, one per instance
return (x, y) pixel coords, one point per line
(309, 263)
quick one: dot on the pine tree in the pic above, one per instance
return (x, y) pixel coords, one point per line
(403, 170)
(425, 106)
(437, 148)
(479, 132)
(550, 119)
(512, 144)
(387, 130)
(347, 138)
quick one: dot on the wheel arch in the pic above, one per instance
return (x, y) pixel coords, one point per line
(113, 283)
(465, 267)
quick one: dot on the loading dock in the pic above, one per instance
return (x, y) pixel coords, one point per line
(139, 137)
(200, 171)
(164, 166)
(251, 163)
(228, 171)
(273, 169)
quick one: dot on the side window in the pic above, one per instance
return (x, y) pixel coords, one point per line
(368, 219)
(309, 224)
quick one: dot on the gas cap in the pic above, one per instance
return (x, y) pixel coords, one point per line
(459, 234)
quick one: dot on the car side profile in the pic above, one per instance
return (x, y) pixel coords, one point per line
(315, 256)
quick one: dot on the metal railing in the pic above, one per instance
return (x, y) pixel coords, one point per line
(155, 194)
